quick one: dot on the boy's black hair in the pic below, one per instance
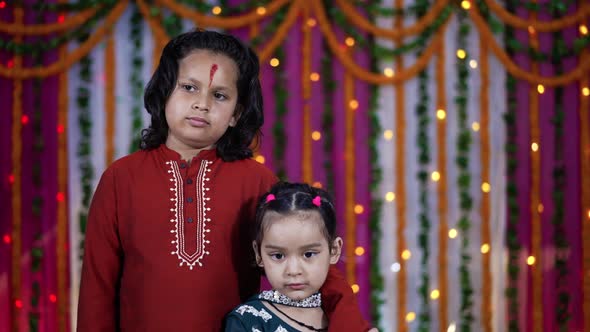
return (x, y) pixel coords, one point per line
(235, 142)
(293, 198)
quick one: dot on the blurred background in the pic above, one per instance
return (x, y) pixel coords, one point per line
(454, 135)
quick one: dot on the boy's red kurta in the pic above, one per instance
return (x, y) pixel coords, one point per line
(168, 245)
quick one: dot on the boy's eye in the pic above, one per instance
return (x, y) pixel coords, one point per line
(310, 254)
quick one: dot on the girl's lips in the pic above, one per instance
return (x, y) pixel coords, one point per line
(197, 122)
(296, 286)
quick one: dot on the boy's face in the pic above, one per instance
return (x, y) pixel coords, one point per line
(295, 254)
(202, 105)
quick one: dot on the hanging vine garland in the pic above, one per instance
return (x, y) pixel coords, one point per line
(135, 78)
(278, 130)
(424, 159)
(464, 179)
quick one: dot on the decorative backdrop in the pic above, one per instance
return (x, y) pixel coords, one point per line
(454, 135)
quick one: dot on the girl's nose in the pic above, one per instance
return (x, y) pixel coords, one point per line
(201, 104)
(293, 267)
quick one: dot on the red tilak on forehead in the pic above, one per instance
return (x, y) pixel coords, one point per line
(212, 73)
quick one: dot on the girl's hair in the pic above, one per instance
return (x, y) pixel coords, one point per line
(287, 198)
(235, 142)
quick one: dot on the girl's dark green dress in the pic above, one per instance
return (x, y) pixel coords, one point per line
(254, 316)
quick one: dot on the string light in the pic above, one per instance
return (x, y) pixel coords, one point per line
(475, 126)
(24, 119)
(355, 288)
(261, 11)
(60, 129)
(530, 260)
(18, 304)
(452, 327)
(410, 316)
(441, 114)
(461, 54)
(535, 147)
(540, 208)
(588, 214)
(586, 91)
(274, 62)
(395, 267)
(317, 184)
(435, 176)
(60, 197)
(311, 22)
(540, 89)
(314, 77)
(52, 298)
(11, 178)
(388, 134)
(10, 63)
(434, 294)
(260, 158)
(485, 187)
(359, 251)
(349, 41)
(583, 29)
(388, 72)
(390, 197)
(452, 233)
(354, 104)
(406, 254)
(2, 4)
(485, 248)
(358, 209)
(216, 10)
(316, 135)
(465, 4)
(6, 238)
(473, 64)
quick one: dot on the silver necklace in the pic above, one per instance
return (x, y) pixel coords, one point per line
(273, 296)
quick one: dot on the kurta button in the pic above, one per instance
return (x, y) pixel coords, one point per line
(182, 165)
(189, 181)
(189, 219)
(190, 199)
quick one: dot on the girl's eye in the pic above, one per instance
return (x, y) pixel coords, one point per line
(220, 96)
(188, 87)
(310, 254)
(277, 256)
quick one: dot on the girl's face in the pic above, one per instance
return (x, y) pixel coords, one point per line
(203, 103)
(295, 254)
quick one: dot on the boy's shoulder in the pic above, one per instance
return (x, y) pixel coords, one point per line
(252, 168)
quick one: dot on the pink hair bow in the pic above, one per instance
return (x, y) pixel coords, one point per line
(317, 201)
(270, 197)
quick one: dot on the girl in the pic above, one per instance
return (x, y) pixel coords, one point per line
(166, 244)
(295, 243)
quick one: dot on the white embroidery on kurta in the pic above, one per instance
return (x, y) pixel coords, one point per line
(281, 329)
(251, 310)
(255, 330)
(177, 202)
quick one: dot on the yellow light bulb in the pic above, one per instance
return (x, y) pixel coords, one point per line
(354, 104)
(311, 22)
(435, 176)
(540, 208)
(317, 184)
(461, 54)
(274, 62)
(485, 248)
(535, 147)
(583, 29)
(358, 209)
(261, 11)
(475, 126)
(388, 72)
(485, 187)
(465, 4)
(359, 251)
(406, 254)
(355, 288)
(314, 77)
(316, 135)
(441, 114)
(388, 134)
(530, 260)
(435, 294)
(349, 41)
(586, 91)
(390, 196)
(216, 10)
(410, 316)
(452, 233)
(540, 89)
(473, 64)
(260, 159)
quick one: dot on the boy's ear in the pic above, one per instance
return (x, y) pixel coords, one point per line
(236, 117)
(256, 254)
(336, 250)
